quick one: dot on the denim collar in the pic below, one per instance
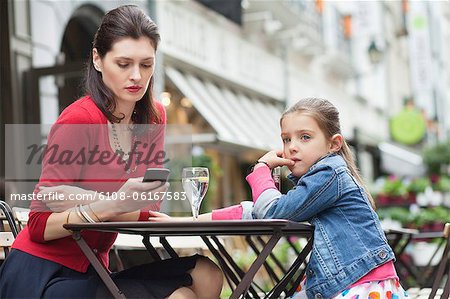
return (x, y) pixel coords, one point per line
(295, 179)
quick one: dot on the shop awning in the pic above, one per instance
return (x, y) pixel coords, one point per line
(400, 161)
(236, 117)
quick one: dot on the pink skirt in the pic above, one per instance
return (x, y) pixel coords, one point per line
(384, 289)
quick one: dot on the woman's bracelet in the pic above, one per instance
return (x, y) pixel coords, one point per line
(68, 216)
(86, 215)
(80, 215)
(93, 213)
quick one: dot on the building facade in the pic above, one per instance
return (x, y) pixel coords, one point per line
(230, 70)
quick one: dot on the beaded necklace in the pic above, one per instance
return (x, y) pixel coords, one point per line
(119, 149)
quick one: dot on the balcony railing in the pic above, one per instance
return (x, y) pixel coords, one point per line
(300, 23)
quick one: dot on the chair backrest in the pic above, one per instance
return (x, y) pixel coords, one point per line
(6, 240)
(7, 233)
(9, 217)
(21, 216)
(443, 268)
(399, 238)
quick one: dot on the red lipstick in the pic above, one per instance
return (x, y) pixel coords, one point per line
(134, 88)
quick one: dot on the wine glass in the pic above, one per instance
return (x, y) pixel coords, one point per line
(195, 183)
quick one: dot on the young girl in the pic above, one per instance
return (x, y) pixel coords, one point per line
(351, 257)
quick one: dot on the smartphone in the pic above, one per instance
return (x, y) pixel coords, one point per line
(156, 174)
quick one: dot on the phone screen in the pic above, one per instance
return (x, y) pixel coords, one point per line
(156, 174)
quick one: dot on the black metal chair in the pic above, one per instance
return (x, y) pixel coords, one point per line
(399, 239)
(441, 283)
(7, 236)
(9, 216)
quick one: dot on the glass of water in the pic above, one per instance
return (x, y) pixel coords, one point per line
(195, 182)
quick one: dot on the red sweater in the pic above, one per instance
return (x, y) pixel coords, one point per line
(81, 129)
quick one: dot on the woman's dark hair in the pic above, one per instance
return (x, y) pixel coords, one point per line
(122, 22)
(327, 117)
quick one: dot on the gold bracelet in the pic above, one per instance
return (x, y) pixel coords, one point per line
(93, 213)
(67, 220)
(68, 216)
(78, 210)
(86, 215)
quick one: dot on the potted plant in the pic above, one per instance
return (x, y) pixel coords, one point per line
(399, 214)
(432, 219)
(417, 186)
(393, 192)
(437, 158)
(441, 190)
(443, 185)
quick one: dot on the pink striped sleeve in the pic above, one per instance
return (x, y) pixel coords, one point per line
(228, 213)
(260, 180)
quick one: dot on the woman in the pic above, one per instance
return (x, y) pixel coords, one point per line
(89, 154)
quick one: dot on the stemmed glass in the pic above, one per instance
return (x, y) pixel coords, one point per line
(195, 182)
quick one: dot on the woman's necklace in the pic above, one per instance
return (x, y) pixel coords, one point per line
(125, 156)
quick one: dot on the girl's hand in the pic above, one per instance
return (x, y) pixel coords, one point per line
(161, 217)
(275, 159)
(63, 197)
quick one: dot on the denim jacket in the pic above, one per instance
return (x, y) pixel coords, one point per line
(348, 239)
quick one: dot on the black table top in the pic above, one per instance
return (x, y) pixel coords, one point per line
(199, 228)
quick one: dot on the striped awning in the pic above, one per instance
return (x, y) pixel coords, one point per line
(236, 117)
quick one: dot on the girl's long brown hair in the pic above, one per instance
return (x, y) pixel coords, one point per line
(327, 117)
(122, 22)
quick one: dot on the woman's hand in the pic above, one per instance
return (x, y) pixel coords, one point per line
(63, 197)
(132, 196)
(275, 159)
(135, 194)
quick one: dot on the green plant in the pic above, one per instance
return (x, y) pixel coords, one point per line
(443, 184)
(424, 216)
(393, 186)
(418, 185)
(437, 157)
(399, 214)
(430, 215)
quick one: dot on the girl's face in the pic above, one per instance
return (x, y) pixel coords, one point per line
(303, 142)
(127, 68)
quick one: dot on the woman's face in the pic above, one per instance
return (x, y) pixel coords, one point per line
(127, 68)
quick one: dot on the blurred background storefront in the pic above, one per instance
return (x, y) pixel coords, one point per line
(229, 68)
